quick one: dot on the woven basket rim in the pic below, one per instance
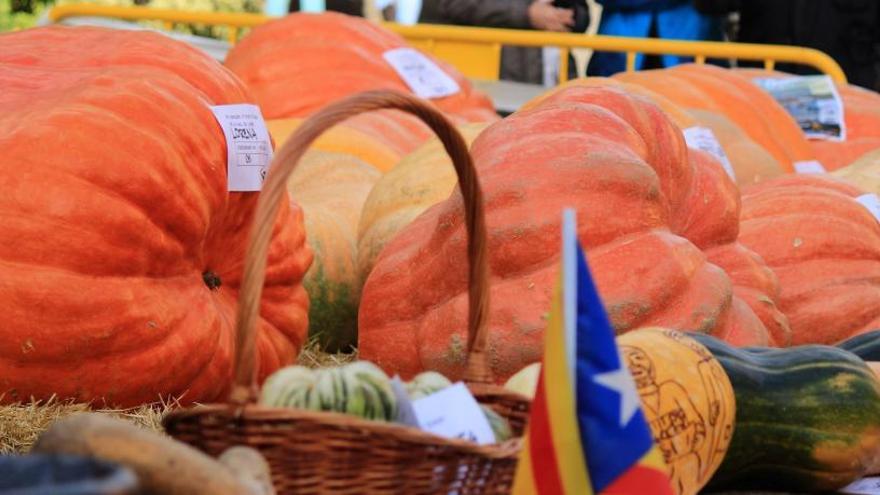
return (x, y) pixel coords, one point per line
(324, 419)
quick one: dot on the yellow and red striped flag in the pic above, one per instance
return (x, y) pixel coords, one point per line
(587, 433)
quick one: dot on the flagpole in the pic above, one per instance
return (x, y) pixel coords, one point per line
(569, 288)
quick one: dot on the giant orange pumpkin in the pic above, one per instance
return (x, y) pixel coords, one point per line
(755, 284)
(121, 250)
(745, 104)
(616, 159)
(861, 116)
(297, 64)
(750, 161)
(676, 113)
(824, 247)
(711, 221)
(781, 125)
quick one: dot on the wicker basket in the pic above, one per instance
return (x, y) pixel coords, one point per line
(317, 453)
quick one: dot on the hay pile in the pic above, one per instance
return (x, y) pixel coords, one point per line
(21, 424)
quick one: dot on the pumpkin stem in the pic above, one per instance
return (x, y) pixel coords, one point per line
(212, 280)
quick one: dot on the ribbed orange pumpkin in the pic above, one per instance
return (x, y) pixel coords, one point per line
(825, 249)
(781, 125)
(719, 90)
(676, 114)
(623, 165)
(750, 161)
(121, 250)
(711, 221)
(301, 62)
(862, 118)
(756, 285)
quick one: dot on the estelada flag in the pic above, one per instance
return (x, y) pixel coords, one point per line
(587, 433)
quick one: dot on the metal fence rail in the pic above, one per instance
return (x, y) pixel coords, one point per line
(476, 52)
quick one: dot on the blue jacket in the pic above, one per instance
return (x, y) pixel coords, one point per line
(672, 19)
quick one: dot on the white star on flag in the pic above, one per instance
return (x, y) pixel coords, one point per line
(621, 381)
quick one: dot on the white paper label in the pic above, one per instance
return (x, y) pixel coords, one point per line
(703, 139)
(813, 101)
(809, 167)
(248, 147)
(423, 76)
(864, 486)
(872, 203)
(454, 413)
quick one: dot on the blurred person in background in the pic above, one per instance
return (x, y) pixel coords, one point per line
(847, 30)
(350, 7)
(667, 19)
(522, 64)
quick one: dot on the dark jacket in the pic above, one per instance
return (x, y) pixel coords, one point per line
(351, 7)
(847, 30)
(517, 63)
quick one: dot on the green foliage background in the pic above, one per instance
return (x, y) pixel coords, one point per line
(20, 20)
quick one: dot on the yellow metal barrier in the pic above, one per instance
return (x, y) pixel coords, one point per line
(701, 50)
(476, 52)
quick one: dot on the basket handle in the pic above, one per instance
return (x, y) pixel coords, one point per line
(244, 388)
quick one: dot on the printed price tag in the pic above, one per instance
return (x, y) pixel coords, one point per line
(813, 101)
(423, 76)
(703, 139)
(864, 486)
(872, 203)
(454, 413)
(248, 147)
(809, 167)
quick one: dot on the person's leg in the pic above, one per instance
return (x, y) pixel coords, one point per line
(652, 61)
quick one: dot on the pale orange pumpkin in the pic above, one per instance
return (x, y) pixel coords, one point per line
(687, 399)
(421, 180)
(331, 189)
(341, 139)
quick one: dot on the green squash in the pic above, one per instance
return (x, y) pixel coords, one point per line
(360, 389)
(287, 387)
(807, 417)
(425, 384)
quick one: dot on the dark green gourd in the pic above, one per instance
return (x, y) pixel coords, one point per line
(807, 417)
(865, 346)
